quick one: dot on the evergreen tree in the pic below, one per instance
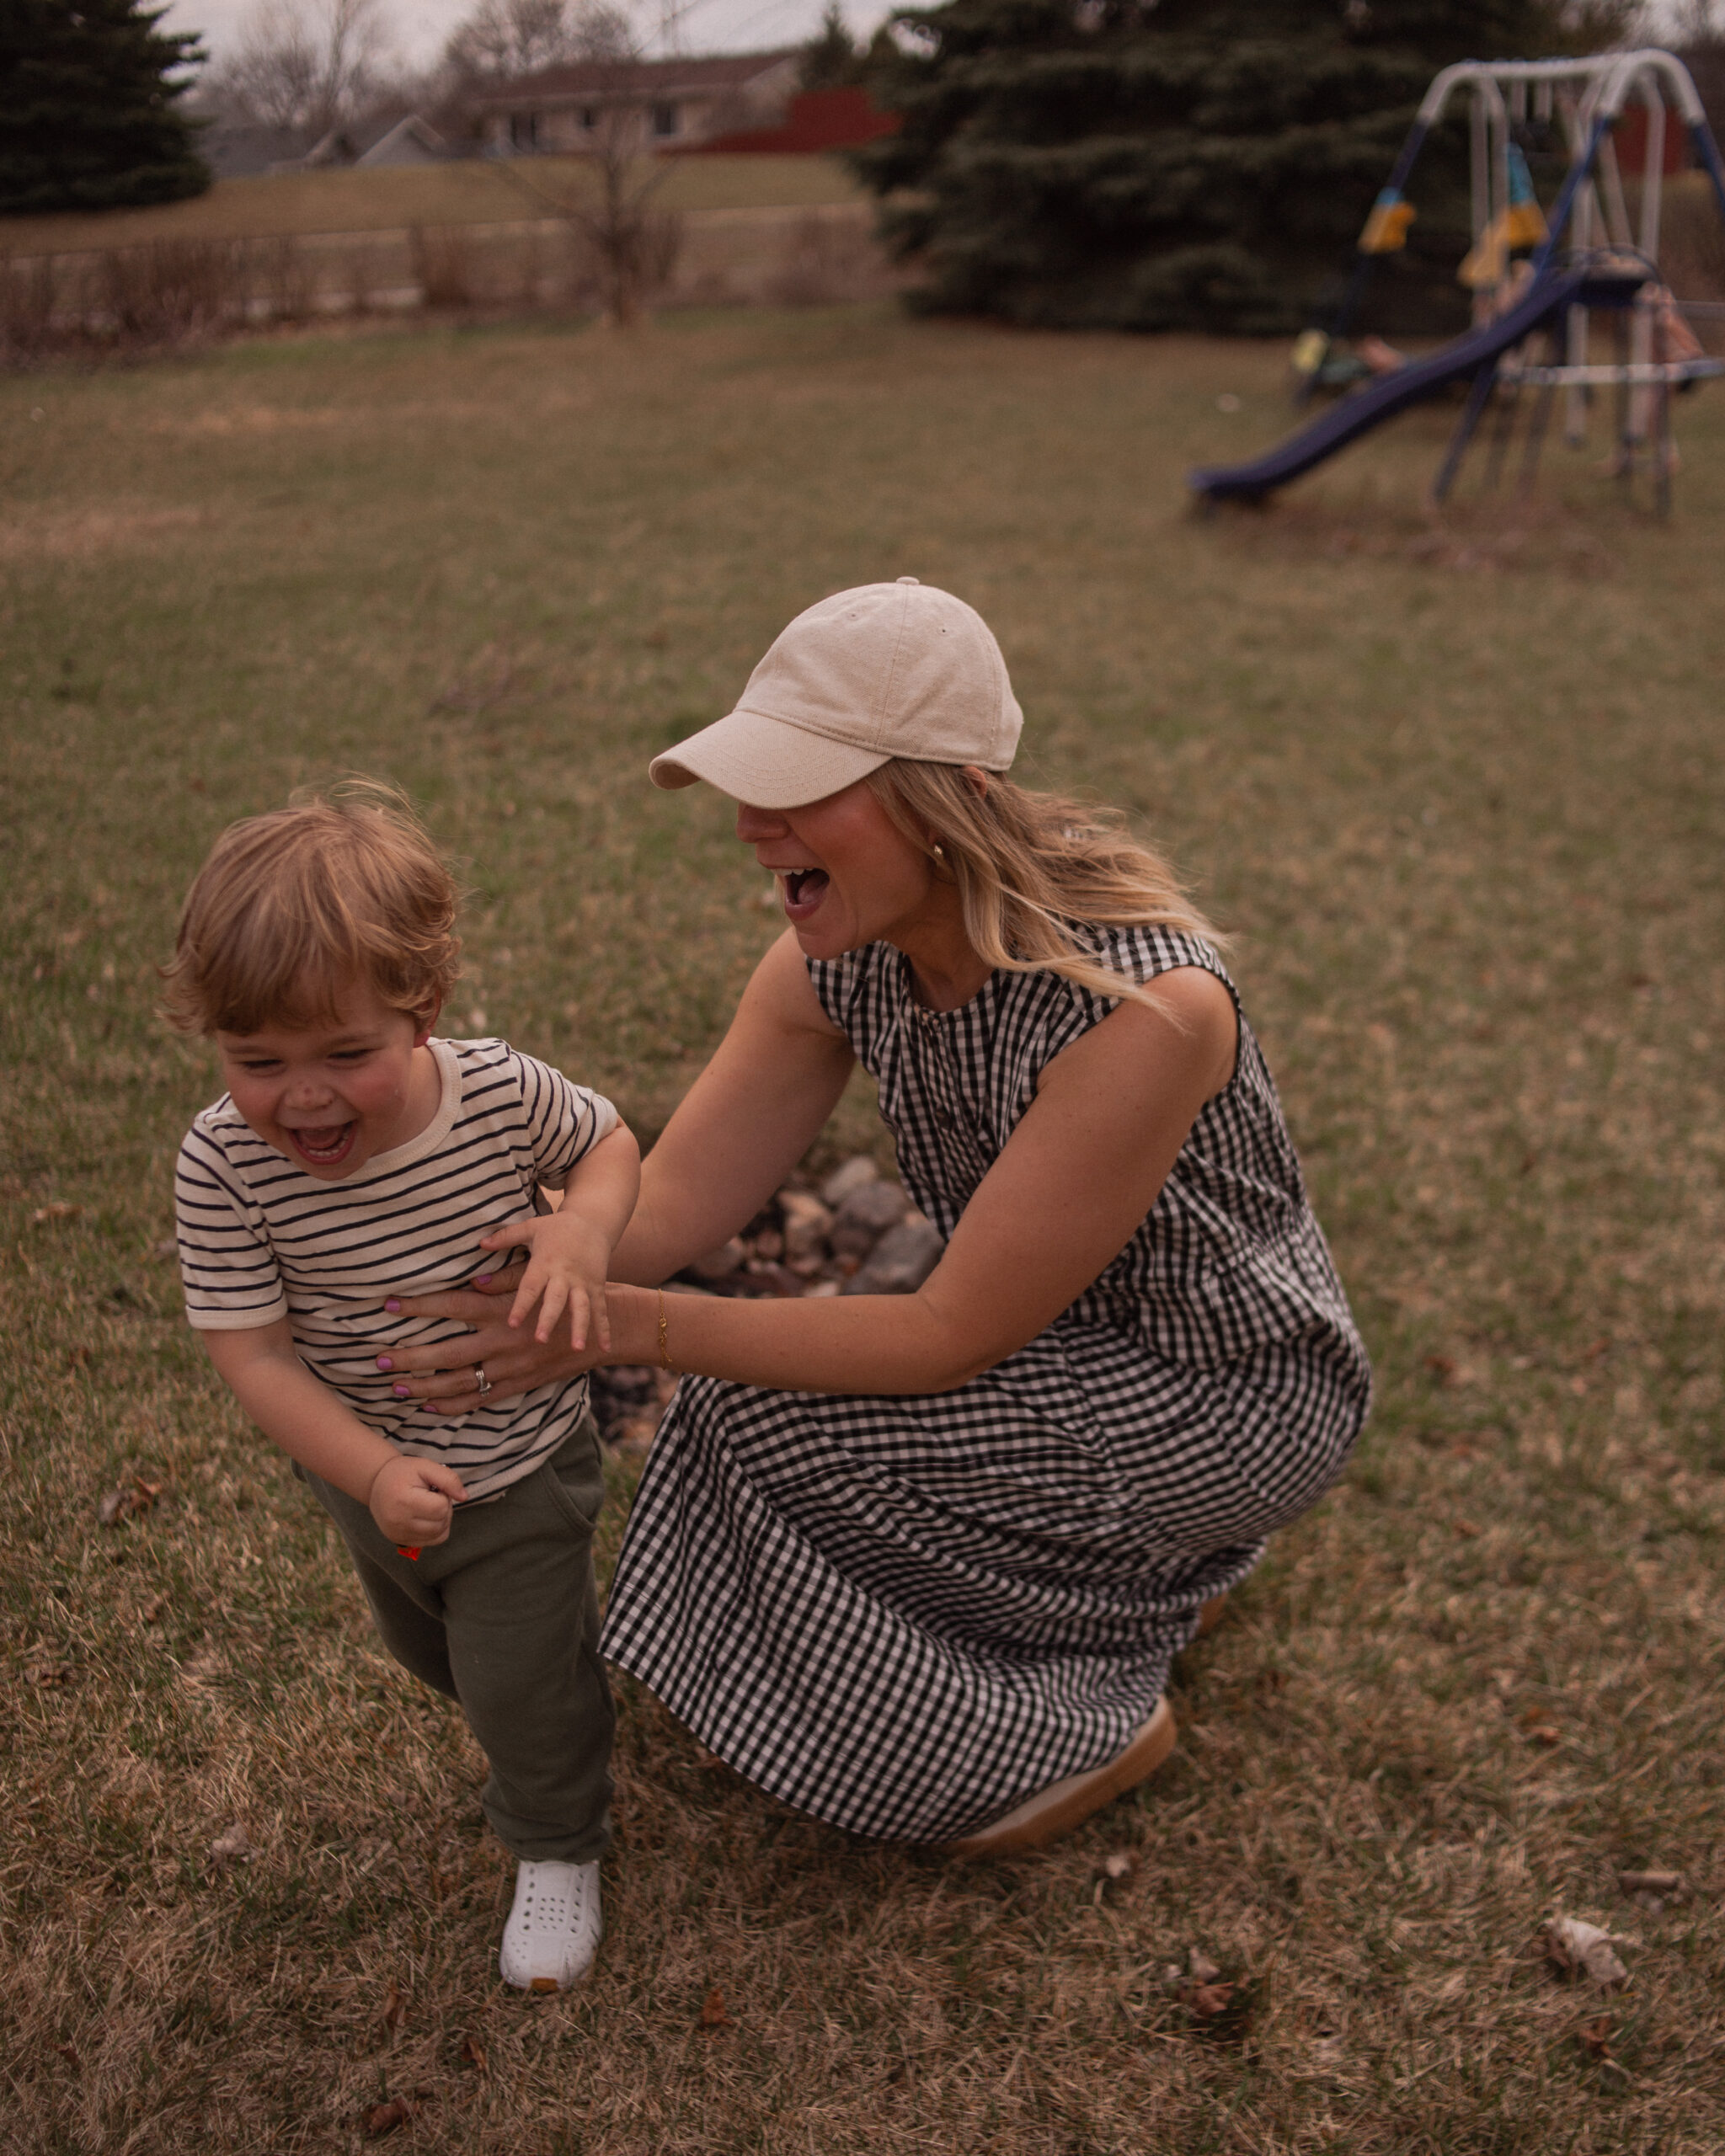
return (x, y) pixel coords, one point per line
(831, 60)
(86, 112)
(1164, 164)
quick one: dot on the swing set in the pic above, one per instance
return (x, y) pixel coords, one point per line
(1534, 298)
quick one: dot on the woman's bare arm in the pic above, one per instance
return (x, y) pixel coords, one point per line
(743, 1125)
(1078, 1175)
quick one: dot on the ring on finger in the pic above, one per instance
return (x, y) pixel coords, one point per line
(482, 1383)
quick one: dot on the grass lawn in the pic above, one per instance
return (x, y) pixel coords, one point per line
(1457, 792)
(472, 191)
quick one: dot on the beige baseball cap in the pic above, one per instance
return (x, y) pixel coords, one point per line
(883, 671)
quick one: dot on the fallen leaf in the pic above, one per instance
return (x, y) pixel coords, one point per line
(131, 1498)
(1442, 1367)
(68, 2051)
(394, 2007)
(1222, 2013)
(708, 1761)
(1594, 2038)
(59, 1210)
(713, 2014)
(232, 1845)
(473, 2054)
(1469, 1529)
(1541, 1725)
(384, 2118)
(1671, 1883)
(1115, 1870)
(1577, 1948)
(1200, 1967)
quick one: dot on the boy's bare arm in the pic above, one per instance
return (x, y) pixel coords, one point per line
(411, 1499)
(570, 1250)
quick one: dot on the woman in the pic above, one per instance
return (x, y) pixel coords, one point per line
(919, 1565)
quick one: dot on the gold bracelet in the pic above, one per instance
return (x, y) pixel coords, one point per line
(665, 1360)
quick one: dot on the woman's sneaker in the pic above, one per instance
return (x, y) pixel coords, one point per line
(554, 1929)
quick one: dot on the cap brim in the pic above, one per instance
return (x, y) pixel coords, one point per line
(764, 761)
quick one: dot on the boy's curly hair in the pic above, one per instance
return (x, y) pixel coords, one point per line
(345, 885)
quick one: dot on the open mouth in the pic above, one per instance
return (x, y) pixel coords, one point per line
(326, 1147)
(803, 890)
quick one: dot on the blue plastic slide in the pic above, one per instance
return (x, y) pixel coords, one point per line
(1369, 406)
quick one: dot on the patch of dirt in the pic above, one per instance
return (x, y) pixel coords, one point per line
(1489, 535)
(64, 535)
(249, 419)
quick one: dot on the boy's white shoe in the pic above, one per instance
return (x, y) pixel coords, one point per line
(554, 1929)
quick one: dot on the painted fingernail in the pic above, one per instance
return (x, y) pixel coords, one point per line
(386, 1362)
(392, 1303)
(482, 1280)
(403, 1391)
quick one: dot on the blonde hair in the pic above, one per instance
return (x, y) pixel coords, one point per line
(342, 886)
(1033, 870)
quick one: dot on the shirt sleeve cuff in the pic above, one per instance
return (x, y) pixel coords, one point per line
(235, 1320)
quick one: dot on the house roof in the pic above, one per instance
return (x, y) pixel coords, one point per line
(717, 71)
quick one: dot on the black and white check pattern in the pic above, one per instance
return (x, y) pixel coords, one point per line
(904, 1614)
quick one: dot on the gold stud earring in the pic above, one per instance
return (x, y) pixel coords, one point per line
(937, 850)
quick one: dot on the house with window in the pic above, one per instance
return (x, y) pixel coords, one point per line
(673, 103)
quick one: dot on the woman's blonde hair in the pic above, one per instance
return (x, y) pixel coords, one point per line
(1033, 870)
(343, 886)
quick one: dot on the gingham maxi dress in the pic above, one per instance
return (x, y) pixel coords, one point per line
(904, 1614)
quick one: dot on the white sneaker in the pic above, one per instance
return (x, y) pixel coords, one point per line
(554, 1929)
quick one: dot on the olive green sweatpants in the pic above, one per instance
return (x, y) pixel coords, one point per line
(503, 1618)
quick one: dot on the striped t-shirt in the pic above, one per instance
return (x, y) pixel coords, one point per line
(260, 1239)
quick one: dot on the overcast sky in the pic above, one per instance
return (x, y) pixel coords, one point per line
(421, 26)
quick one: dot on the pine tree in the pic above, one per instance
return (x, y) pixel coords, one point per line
(831, 59)
(1165, 164)
(86, 112)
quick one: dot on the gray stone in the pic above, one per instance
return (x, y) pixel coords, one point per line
(901, 1261)
(716, 1264)
(849, 1175)
(808, 1222)
(866, 1215)
(876, 1206)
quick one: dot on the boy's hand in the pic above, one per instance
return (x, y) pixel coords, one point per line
(568, 1257)
(413, 1501)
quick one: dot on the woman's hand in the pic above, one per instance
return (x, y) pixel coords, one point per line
(443, 1375)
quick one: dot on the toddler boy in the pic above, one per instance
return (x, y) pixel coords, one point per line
(355, 1156)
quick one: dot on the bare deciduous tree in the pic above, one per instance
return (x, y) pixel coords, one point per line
(307, 64)
(634, 243)
(512, 37)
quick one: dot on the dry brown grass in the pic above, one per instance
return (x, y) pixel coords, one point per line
(473, 192)
(1467, 825)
